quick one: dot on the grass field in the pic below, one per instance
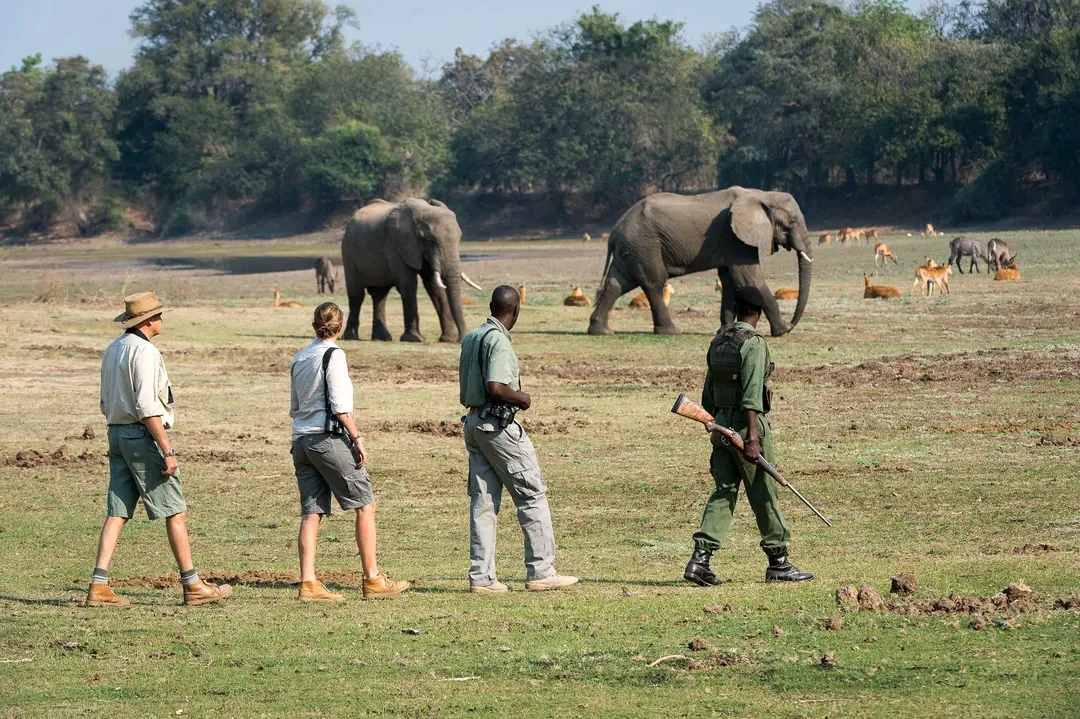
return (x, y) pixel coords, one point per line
(940, 435)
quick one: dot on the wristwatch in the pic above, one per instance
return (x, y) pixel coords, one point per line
(171, 453)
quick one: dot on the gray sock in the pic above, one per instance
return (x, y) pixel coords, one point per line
(100, 576)
(189, 577)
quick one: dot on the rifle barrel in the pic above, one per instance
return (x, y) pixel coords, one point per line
(764, 464)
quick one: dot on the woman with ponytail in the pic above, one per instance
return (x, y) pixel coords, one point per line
(329, 457)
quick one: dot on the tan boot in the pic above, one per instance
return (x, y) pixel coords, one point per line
(203, 593)
(101, 595)
(496, 587)
(315, 592)
(555, 581)
(382, 587)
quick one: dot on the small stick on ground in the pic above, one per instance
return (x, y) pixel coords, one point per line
(667, 658)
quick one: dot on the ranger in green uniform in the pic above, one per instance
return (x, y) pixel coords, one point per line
(736, 394)
(501, 456)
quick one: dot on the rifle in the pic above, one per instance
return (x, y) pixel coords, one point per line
(686, 407)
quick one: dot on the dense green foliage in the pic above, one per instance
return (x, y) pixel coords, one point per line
(234, 103)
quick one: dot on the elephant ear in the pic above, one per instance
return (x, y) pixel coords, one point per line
(752, 223)
(406, 240)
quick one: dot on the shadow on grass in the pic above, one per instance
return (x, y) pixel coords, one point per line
(274, 337)
(29, 601)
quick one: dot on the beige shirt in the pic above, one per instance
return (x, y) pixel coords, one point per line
(134, 383)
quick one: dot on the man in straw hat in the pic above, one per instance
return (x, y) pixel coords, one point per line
(137, 401)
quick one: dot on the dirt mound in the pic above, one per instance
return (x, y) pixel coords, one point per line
(848, 597)
(834, 624)
(32, 458)
(1015, 599)
(253, 578)
(903, 584)
(870, 600)
(994, 364)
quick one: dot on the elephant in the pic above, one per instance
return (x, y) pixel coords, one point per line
(325, 275)
(387, 245)
(962, 247)
(667, 235)
(997, 254)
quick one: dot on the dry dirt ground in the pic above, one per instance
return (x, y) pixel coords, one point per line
(939, 434)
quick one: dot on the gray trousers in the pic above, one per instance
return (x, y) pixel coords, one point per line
(498, 459)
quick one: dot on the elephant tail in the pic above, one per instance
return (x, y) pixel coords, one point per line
(607, 270)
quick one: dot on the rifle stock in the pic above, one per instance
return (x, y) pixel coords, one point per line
(686, 407)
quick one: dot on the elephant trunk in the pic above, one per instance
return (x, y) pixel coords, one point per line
(805, 270)
(452, 279)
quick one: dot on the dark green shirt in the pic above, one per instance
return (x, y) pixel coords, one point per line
(500, 362)
(755, 363)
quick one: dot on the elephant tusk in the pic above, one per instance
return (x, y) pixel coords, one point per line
(438, 281)
(805, 256)
(470, 283)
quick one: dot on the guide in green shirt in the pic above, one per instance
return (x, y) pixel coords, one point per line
(501, 455)
(737, 394)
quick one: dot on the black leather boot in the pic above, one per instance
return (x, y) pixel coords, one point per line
(781, 570)
(698, 571)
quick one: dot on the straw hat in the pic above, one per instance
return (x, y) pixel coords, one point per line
(138, 308)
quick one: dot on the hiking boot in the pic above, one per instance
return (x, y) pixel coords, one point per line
(383, 587)
(203, 593)
(495, 587)
(781, 570)
(555, 581)
(698, 571)
(314, 591)
(101, 595)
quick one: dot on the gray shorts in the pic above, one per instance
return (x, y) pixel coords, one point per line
(325, 465)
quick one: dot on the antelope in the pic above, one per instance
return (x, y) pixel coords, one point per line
(786, 293)
(587, 237)
(871, 233)
(997, 252)
(719, 286)
(882, 253)
(845, 235)
(938, 275)
(279, 303)
(577, 298)
(882, 292)
(521, 294)
(825, 239)
(1008, 270)
(604, 236)
(641, 302)
(929, 231)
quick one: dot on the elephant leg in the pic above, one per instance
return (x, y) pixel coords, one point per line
(407, 287)
(379, 332)
(447, 327)
(615, 286)
(356, 301)
(662, 324)
(727, 297)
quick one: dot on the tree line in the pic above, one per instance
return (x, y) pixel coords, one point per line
(259, 105)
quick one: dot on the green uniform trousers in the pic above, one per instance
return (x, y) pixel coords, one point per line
(728, 472)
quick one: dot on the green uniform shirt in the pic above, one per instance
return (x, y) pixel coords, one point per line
(499, 361)
(755, 364)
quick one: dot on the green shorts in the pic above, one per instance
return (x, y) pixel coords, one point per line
(137, 469)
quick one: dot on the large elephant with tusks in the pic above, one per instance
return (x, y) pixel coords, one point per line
(388, 245)
(667, 235)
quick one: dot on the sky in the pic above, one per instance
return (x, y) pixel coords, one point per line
(426, 32)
